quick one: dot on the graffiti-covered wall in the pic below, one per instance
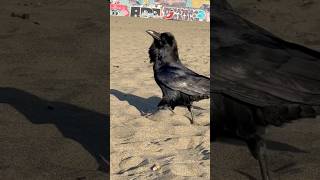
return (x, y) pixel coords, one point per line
(186, 10)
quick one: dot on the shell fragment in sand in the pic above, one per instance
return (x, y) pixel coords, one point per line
(155, 167)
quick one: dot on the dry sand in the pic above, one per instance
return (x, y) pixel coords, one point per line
(53, 100)
(294, 150)
(166, 145)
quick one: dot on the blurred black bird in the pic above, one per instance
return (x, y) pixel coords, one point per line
(180, 86)
(258, 80)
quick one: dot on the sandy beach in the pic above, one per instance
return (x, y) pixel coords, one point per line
(166, 145)
(294, 149)
(53, 99)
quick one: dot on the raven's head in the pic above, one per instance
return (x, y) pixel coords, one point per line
(164, 44)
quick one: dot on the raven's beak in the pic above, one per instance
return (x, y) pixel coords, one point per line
(154, 34)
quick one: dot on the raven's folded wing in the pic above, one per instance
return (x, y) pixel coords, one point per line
(185, 81)
(253, 64)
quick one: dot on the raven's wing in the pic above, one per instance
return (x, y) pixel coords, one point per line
(253, 65)
(184, 80)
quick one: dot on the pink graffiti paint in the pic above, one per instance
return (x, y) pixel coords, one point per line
(120, 7)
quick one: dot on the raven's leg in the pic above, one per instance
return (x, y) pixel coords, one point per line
(257, 147)
(165, 108)
(163, 104)
(190, 110)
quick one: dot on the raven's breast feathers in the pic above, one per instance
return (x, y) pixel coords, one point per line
(153, 53)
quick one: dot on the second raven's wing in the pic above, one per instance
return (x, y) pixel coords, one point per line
(184, 80)
(250, 61)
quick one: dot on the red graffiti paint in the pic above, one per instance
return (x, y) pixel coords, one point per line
(169, 16)
(120, 7)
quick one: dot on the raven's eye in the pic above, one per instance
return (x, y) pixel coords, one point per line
(167, 40)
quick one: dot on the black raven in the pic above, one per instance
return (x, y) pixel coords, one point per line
(180, 86)
(257, 80)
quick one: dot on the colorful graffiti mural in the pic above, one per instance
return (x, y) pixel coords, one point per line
(200, 3)
(184, 14)
(172, 3)
(145, 12)
(181, 10)
(119, 10)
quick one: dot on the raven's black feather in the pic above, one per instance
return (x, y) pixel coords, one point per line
(262, 71)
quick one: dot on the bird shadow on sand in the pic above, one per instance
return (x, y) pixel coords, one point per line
(88, 128)
(285, 169)
(144, 105)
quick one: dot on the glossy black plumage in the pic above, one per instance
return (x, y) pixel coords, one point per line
(258, 80)
(180, 86)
